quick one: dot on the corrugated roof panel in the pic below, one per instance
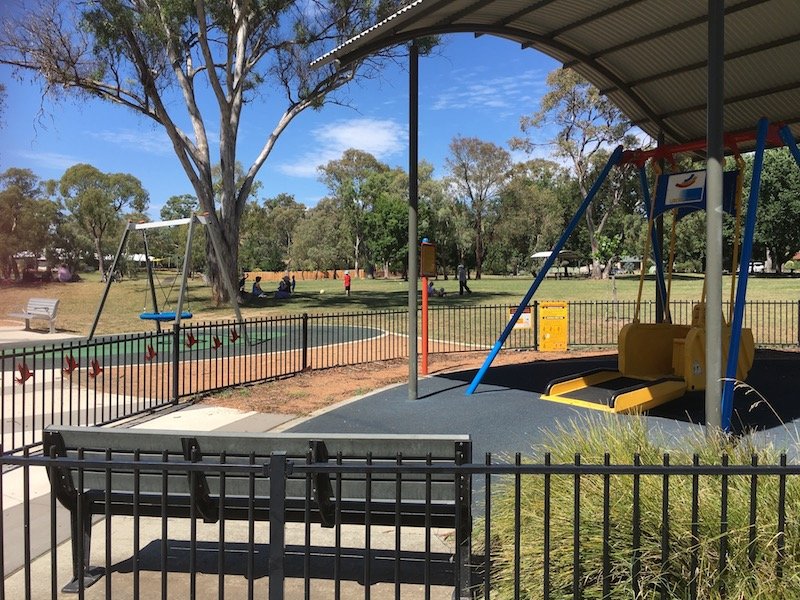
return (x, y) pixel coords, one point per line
(658, 55)
(649, 55)
(620, 28)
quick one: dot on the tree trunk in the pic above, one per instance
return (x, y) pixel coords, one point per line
(100, 261)
(228, 232)
(478, 248)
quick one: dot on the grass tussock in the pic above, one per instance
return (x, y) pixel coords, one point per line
(751, 570)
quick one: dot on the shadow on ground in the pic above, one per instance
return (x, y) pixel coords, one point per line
(770, 398)
(322, 562)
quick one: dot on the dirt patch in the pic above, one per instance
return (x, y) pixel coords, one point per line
(308, 392)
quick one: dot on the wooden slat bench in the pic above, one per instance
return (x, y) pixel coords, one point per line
(39, 308)
(239, 495)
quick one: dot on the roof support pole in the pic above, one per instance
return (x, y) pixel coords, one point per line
(612, 161)
(659, 235)
(413, 203)
(714, 164)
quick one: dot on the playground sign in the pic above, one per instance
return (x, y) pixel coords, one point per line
(524, 321)
(427, 259)
(553, 326)
(687, 192)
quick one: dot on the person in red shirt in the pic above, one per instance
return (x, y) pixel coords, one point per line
(347, 282)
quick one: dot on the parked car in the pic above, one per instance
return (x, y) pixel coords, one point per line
(756, 267)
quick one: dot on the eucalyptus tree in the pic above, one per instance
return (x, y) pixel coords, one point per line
(27, 217)
(778, 214)
(320, 240)
(477, 173)
(585, 124)
(163, 59)
(346, 179)
(267, 233)
(96, 201)
(386, 223)
(529, 217)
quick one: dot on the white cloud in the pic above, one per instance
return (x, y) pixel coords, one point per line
(50, 160)
(513, 92)
(380, 137)
(150, 142)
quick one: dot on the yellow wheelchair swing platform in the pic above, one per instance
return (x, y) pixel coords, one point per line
(657, 363)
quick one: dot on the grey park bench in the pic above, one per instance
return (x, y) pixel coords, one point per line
(39, 308)
(325, 484)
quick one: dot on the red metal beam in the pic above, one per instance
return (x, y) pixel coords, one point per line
(732, 141)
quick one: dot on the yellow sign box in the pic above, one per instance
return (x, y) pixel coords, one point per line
(427, 259)
(553, 326)
(524, 321)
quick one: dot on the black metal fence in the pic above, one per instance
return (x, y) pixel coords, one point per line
(544, 530)
(104, 380)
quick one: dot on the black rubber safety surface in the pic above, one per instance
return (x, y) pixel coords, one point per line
(602, 393)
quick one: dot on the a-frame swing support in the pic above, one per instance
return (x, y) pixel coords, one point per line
(764, 134)
(191, 222)
(559, 245)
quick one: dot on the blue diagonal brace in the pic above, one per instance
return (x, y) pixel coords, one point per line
(788, 139)
(612, 161)
(741, 287)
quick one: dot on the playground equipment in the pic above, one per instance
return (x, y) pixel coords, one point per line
(659, 362)
(178, 314)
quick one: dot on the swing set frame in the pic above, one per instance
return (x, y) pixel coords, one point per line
(179, 313)
(765, 135)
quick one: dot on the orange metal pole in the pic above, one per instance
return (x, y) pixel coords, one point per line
(424, 365)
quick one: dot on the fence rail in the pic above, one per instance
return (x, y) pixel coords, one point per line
(108, 379)
(548, 530)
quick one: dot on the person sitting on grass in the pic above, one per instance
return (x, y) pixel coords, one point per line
(257, 292)
(432, 291)
(284, 288)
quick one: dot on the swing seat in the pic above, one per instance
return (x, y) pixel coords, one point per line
(164, 316)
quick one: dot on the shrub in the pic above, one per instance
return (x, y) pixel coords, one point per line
(622, 438)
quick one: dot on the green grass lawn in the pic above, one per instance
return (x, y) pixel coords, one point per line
(130, 297)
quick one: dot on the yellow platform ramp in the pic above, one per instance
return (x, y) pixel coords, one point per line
(657, 363)
(611, 391)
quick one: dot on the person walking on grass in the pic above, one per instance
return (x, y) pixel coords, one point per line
(462, 281)
(347, 282)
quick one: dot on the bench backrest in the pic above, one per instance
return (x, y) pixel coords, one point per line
(46, 306)
(240, 448)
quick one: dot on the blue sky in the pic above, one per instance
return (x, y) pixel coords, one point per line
(472, 87)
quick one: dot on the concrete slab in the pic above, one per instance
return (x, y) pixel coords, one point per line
(13, 337)
(197, 418)
(245, 564)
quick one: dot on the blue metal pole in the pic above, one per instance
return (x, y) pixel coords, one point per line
(658, 258)
(613, 160)
(741, 288)
(788, 139)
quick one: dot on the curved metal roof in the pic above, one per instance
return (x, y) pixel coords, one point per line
(648, 56)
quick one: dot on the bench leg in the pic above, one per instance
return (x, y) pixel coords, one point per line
(52, 326)
(464, 556)
(81, 536)
(27, 324)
